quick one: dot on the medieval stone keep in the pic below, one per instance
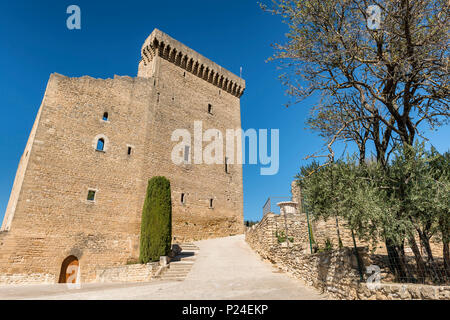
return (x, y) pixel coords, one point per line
(81, 182)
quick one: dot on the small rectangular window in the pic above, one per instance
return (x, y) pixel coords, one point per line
(209, 108)
(211, 203)
(183, 198)
(91, 195)
(129, 151)
(226, 165)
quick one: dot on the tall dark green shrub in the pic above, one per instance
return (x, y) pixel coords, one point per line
(156, 225)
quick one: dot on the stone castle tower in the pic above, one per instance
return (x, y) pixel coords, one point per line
(81, 182)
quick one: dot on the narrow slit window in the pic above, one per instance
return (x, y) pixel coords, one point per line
(101, 144)
(211, 203)
(183, 198)
(209, 108)
(129, 151)
(91, 195)
(105, 116)
(226, 165)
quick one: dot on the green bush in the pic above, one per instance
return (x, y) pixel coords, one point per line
(328, 245)
(156, 225)
(282, 237)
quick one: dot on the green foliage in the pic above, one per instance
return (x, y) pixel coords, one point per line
(156, 225)
(328, 245)
(311, 234)
(281, 237)
(412, 193)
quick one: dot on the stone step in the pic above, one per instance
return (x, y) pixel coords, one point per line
(174, 274)
(181, 262)
(188, 247)
(185, 257)
(180, 267)
(180, 270)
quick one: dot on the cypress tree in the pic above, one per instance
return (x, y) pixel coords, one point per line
(156, 225)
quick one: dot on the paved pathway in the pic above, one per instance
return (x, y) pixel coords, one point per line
(224, 268)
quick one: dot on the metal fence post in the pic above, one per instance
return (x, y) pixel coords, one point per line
(307, 220)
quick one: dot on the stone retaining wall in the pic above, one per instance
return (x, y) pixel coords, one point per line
(128, 273)
(334, 272)
(19, 279)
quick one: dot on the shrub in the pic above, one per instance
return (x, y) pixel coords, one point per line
(156, 225)
(328, 245)
(282, 237)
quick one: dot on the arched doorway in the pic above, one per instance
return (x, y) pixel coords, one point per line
(69, 270)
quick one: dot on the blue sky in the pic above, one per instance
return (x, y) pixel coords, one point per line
(35, 43)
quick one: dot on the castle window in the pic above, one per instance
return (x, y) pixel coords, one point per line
(91, 195)
(226, 165)
(183, 198)
(129, 151)
(209, 108)
(100, 144)
(211, 203)
(105, 116)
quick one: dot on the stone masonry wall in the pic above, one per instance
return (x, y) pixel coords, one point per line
(53, 218)
(128, 273)
(49, 217)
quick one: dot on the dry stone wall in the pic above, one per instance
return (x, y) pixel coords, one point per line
(335, 272)
(128, 273)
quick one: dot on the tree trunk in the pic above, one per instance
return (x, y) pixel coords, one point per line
(444, 226)
(395, 262)
(446, 253)
(421, 268)
(426, 244)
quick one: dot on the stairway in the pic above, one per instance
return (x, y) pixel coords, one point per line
(180, 265)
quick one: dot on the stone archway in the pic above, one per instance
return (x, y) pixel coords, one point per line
(69, 270)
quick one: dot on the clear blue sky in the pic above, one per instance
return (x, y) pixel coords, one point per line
(35, 43)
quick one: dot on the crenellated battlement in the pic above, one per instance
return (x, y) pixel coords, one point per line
(162, 45)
